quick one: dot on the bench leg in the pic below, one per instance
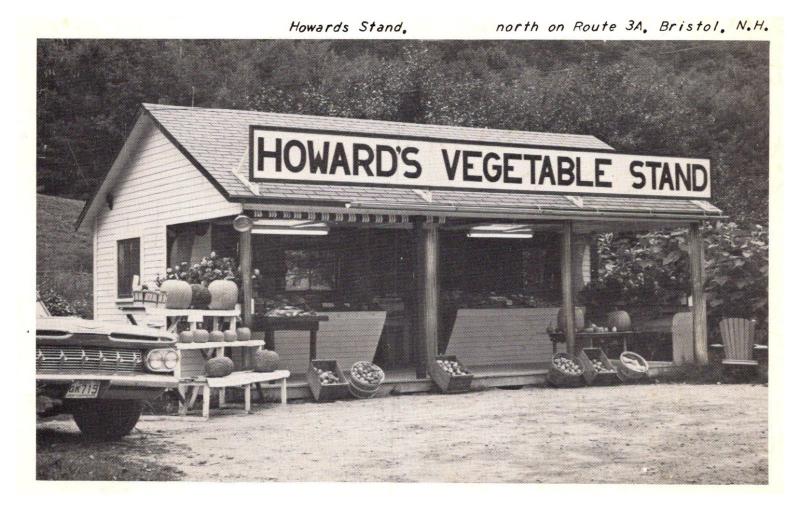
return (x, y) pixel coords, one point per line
(206, 402)
(283, 391)
(247, 398)
(192, 399)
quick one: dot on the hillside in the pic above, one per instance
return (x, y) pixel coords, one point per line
(63, 256)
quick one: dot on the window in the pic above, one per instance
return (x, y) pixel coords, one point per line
(127, 265)
(310, 270)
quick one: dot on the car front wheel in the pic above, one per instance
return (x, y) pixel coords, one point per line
(107, 419)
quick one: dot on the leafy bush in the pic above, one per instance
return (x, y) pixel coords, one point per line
(652, 269)
(66, 293)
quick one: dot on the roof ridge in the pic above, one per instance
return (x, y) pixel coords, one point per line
(162, 107)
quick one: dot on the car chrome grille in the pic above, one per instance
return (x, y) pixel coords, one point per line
(88, 359)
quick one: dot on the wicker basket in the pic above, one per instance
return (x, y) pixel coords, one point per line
(364, 390)
(627, 374)
(447, 382)
(150, 298)
(326, 392)
(561, 379)
(586, 357)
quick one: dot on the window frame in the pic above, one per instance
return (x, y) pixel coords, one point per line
(117, 243)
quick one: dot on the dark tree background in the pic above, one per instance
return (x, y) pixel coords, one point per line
(692, 98)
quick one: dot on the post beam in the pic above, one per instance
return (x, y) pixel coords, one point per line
(427, 281)
(567, 302)
(246, 265)
(699, 320)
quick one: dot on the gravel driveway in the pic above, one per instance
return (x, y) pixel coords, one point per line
(661, 433)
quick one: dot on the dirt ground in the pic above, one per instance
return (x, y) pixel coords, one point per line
(659, 433)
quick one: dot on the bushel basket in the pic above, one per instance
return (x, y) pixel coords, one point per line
(627, 373)
(362, 389)
(447, 382)
(560, 378)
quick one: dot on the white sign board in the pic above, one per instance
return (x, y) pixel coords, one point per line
(325, 157)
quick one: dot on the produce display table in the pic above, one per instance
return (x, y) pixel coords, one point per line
(193, 316)
(269, 325)
(243, 379)
(586, 339)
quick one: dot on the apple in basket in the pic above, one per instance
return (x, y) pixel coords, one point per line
(600, 368)
(366, 372)
(567, 366)
(452, 367)
(326, 376)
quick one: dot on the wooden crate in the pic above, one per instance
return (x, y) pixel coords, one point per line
(561, 379)
(590, 375)
(327, 392)
(447, 382)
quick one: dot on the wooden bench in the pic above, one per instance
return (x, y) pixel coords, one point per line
(243, 379)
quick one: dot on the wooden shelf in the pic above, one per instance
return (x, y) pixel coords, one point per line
(216, 345)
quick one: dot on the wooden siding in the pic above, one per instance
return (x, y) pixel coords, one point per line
(502, 336)
(346, 336)
(157, 187)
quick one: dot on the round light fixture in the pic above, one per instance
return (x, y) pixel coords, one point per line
(242, 223)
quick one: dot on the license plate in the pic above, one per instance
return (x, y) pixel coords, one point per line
(83, 389)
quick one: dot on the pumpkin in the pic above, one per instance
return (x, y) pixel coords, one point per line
(265, 361)
(580, 312)
(201, 297)
(179, 294)
(186, 337)
(219, 366)
(216, 336)
(201, 336)
(224, 295)
(243, 334)
(230, 336)
(620, 320)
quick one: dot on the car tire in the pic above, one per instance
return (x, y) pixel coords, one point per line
(107, 419)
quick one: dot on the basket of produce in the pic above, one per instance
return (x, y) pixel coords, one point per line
(326, 380)
(565, 371)
(150, 298)
(632, 367)
(365, 379)
(597, 369)
(449, 375)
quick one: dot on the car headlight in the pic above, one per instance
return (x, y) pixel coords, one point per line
(162, 360)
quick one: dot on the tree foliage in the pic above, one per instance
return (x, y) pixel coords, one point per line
(686, 98)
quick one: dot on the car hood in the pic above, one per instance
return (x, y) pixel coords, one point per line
(71, 330)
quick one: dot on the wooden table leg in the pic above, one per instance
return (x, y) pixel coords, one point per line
(269, 339)
(283, 391)
(260, 393)
(247, 398)
(206, 402)
(221, 398)
(313, 345)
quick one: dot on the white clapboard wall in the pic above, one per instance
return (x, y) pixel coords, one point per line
(346, 336)
(502, 336)
(157, 187)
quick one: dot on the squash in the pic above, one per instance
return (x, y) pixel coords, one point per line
(243, 334)
(179, 294)
(224, 294)
(265, 361)
(201, 336)
(580, 320)
(219, 366)
(216, 336)
(186, 337)
(201, 297)
(620, 320)
(230, 336)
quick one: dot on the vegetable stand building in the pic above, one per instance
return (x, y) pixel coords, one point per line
(413, 240)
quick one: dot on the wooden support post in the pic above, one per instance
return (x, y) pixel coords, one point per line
(246, 264)
(427, 276)
(567, 304)
(699, 321)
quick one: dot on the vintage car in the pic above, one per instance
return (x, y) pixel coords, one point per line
(99, 372)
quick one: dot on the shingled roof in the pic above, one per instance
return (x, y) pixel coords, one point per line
(216, 142)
